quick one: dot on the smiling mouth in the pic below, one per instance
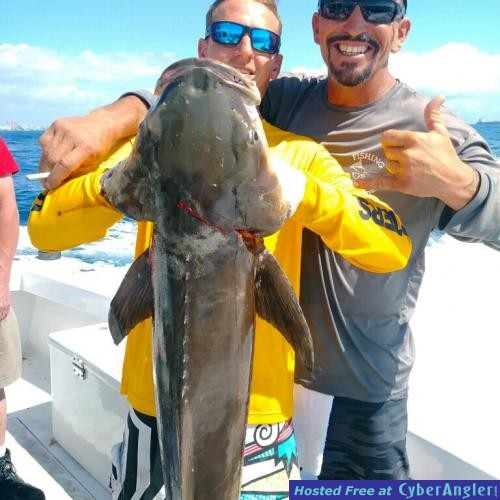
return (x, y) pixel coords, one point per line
(352, 50)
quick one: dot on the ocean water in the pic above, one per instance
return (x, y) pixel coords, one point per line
(491, 132)
(117, 247)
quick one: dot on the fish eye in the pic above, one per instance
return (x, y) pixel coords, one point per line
(253, 136)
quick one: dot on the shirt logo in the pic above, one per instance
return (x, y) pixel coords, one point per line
(37, 204)
(381, 217)
(367, 166)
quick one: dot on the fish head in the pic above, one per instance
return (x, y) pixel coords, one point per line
(202, 146)
(212, 152)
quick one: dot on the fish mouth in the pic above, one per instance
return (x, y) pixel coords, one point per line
(247, 234)
(222, 224)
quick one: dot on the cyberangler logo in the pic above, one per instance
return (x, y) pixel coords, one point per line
(366, 166)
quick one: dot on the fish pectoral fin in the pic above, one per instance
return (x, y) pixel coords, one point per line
(133, 301)
(128, 187)
(276, 302)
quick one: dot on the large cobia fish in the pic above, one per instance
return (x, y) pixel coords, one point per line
(200, 171)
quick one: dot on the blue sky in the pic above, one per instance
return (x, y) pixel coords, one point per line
(60, 58)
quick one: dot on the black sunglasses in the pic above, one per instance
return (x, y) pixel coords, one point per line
(229, 33)
(374, 11)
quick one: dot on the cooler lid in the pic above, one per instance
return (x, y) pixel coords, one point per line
(94, 345)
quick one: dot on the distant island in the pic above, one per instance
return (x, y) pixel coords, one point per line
(480, 121)
(11, 125)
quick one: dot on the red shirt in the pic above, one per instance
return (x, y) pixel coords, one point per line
(8, 165)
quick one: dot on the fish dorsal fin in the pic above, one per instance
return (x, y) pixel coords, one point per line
(276, 302)
(133, 301)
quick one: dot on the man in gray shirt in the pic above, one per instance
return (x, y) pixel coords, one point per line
(442, 177)
(436, 172)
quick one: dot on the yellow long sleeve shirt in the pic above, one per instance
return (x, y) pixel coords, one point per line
(353, 223)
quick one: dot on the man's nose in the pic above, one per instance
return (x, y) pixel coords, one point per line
(245, 46)
(355, 23)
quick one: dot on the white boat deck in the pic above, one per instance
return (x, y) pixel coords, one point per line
(454, 398)
(51, 296)
(38, 458)
(454, 404)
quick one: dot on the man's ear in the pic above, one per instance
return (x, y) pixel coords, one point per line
(202, 47)
(277, 62)
(402, 30)
(315, 27)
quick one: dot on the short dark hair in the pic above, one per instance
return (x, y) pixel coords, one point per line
(270, 4)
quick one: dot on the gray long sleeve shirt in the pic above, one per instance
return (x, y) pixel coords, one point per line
(360, 320)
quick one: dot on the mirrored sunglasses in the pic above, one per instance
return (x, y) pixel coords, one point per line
(229, 33)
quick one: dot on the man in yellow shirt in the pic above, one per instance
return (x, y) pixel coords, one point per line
(349, 220)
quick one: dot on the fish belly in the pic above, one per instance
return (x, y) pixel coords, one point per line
(203, 345)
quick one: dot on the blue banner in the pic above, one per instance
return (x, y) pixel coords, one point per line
(407, 490)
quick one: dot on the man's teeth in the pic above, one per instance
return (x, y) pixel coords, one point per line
(349, 50)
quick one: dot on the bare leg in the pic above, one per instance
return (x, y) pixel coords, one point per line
(3, 417)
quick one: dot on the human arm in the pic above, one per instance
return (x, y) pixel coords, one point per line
(426, 164)
(72, 146)
(479, 221)
(9, 233)
(452, 163)
(351, 222)
(75, 212)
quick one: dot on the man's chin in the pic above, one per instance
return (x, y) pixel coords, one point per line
(349, 77)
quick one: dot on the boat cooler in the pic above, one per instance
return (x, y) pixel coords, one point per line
(88, 412)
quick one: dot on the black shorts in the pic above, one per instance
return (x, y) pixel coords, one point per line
(366, 440)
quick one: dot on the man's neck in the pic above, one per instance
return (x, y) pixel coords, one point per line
(360, 95)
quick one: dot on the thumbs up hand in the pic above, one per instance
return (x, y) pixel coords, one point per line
(425, 164)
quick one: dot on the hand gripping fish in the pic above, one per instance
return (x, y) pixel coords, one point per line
(200, 170)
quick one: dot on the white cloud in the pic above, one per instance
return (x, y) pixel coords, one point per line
(453, 69)
(39, 85)
(467, 77)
